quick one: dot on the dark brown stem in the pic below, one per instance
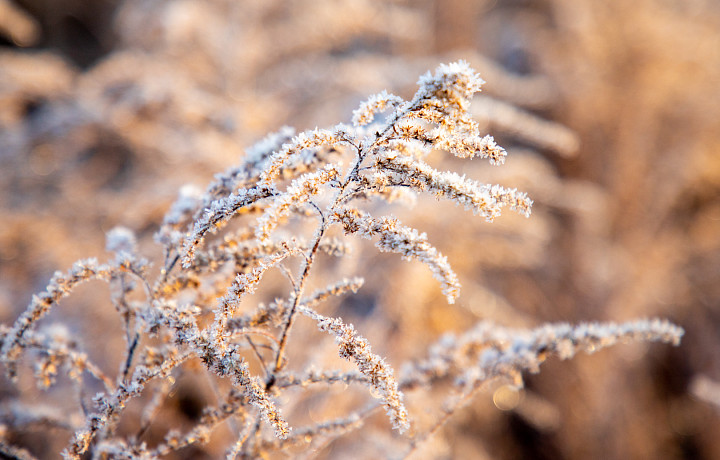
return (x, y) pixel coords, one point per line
(305, 272)
(296, 300)
(351, 177)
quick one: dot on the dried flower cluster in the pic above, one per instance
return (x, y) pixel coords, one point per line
(278, 211)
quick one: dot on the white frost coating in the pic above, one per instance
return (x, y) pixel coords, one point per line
(121, 239)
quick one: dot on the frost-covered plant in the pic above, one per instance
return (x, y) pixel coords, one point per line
(329, 179)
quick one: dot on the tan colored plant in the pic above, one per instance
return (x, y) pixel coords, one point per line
(280, 209)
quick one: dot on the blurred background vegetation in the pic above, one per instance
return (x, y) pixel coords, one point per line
(610, 112)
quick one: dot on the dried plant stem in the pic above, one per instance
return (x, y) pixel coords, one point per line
(235, 450)
(307, 264)
(299, 288)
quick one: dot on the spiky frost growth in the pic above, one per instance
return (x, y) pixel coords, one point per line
(55, 352)
(445, 99)
(259, 154)
(271, 315)
(489, 351)
(456, 82)
(486, 200)
(309, 140)
(110, 405)
(245, 283)
(231, 364)
(244, 253)
(527, 351)
(221, 357)
(189, 199)
(341, 287)
(60, 286)
(405, 241)
(299, 191)
(354, 347)
(365, 114)
(121, 240)
(218, 214)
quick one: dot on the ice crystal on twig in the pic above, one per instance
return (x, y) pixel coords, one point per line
(378, 103)
(488, 350)
(301, 190)
(220, 212)
(405, 241)
(354, 347)
(245, 283)
(60, 286)
(486, 200)
(304, 141)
